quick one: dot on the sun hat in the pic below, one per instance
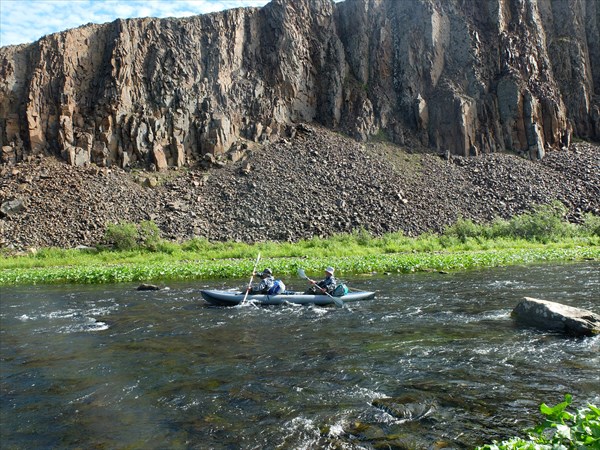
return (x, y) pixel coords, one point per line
(330, 270)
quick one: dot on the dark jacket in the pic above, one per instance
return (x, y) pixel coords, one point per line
(264, 286)
(329, 284)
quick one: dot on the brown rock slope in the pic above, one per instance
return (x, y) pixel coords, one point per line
(316, 183)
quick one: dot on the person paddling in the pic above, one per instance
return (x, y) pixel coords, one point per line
(268, 284)
(326, 285)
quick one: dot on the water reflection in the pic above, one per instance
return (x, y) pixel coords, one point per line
(434, 360)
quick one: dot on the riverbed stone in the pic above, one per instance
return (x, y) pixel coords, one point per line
(148, 287)
(552, 316)
(407, 407)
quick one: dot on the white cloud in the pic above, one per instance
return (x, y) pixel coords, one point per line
(24, 21)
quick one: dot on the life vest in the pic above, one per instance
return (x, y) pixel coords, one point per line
(340, 290)
(277, 288)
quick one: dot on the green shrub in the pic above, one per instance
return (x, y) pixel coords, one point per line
(591, 225)
(545, 223)
(149, 235)
(129, 236)
(123, 235)
(197, 244)
(464, 229)
(560, 430)
(499, 229)
(164, 246)
(363, 237)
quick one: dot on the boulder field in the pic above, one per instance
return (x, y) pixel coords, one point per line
(313, 183)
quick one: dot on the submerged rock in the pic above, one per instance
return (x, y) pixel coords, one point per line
(148, 287)
(553, 316)
(406, 408)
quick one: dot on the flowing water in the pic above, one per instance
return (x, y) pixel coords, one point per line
(434, 361)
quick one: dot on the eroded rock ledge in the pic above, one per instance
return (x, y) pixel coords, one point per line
(457, 76)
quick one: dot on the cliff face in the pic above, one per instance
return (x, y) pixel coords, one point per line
(460, 76)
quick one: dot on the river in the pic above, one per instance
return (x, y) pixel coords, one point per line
(434, 361)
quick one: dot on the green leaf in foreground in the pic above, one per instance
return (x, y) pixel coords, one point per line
(561, 429)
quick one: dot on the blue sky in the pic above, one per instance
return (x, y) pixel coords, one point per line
(23, 21)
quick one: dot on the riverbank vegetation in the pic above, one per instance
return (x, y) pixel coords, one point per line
(136, 252)
(560, 429)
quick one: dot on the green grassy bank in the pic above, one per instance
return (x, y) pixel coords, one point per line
(163, 269)
(139, 254)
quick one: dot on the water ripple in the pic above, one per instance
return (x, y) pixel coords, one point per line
(435, 358)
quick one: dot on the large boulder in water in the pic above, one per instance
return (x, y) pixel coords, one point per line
(406, 408)
(557, 317)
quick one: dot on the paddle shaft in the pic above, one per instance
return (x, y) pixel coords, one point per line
(251, 278)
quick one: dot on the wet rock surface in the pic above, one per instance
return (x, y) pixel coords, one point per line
(314, 184)
(552, 316)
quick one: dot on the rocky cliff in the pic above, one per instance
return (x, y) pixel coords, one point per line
(459, 76)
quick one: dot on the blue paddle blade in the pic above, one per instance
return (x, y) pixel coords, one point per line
(338, 302)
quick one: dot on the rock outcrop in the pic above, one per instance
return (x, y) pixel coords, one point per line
(458, 76)
(557, 317)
